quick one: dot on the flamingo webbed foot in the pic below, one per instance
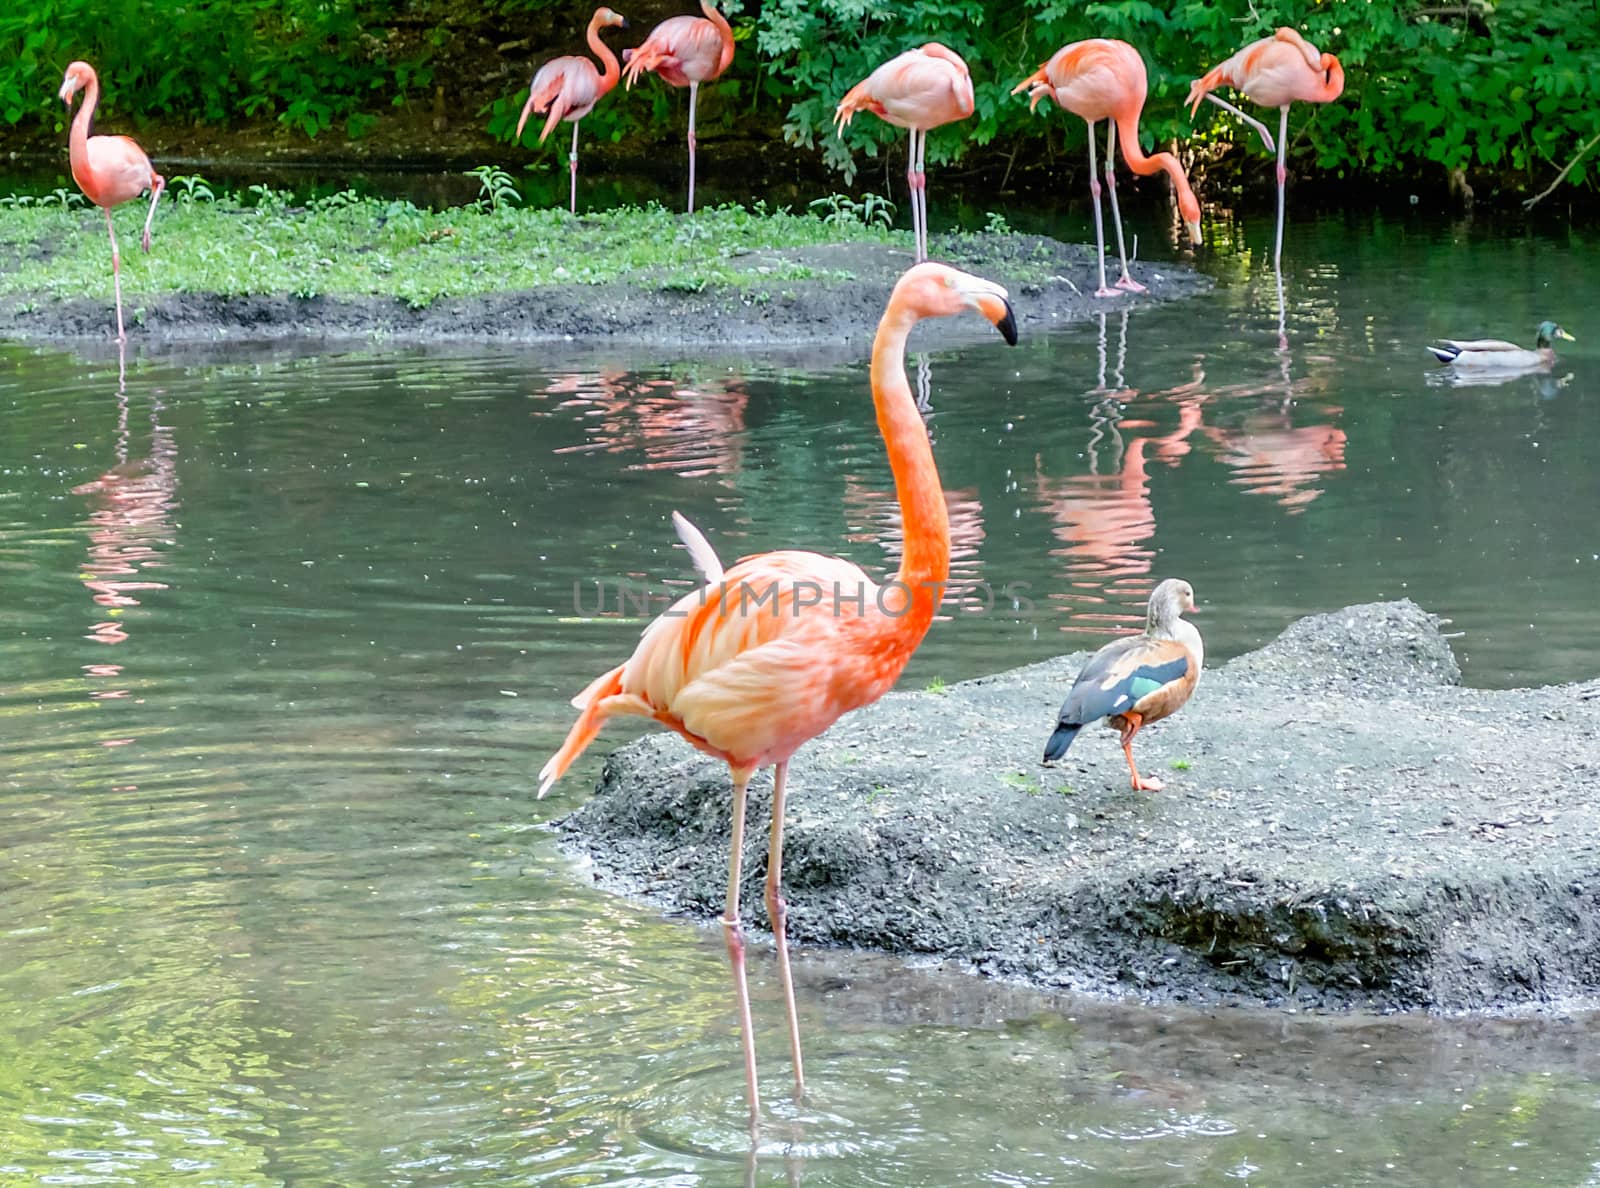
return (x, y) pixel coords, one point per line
(1106, 292)
(1128, 285)
(1147, 784)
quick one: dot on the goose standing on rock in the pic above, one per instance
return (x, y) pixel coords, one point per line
(1138, 679)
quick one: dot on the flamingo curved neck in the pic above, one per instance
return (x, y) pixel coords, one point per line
(78, 138)
(724, 30)
(1133, 153)
(610, 69)
(925, 563)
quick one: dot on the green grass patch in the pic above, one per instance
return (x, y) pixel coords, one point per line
(1023, 782)
(262, 242)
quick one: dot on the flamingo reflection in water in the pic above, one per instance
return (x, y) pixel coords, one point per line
(688, 429)
(1103, 519)
(129, 529)
(1271, 454)
(873, 517)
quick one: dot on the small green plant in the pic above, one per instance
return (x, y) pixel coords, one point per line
(878, 793)
(268, 200)
(1022, 782)
(995, 224)
(937, 685)
(496, 190)
(335, 201)
(841, 210)
(189, 188)
(67, 198)
(1181, 765)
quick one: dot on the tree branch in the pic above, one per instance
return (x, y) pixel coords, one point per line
(1530, 203)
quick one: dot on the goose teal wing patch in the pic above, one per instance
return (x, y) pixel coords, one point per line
(1117, 685)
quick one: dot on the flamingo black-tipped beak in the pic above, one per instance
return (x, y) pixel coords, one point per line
(1194, 234)
(1008, 326)
(622, 21)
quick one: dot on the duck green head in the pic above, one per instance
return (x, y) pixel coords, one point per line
(1549, 332)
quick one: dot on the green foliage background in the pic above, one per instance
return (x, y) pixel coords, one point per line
(1506, 90)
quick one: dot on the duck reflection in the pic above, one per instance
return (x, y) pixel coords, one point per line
(129, 530)
(688, 428)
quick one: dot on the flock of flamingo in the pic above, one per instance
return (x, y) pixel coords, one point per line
(923, 88)
(774, 649)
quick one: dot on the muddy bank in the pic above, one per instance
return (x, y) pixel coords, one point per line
(1348, 829)
(839, 303)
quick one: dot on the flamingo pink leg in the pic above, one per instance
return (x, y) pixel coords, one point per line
(116, 273)
(778, 915)
(694, 94)
(1127, 283)
(157, 184)
(1261, 129)
(1099, 226)
(1283, 176)
(733, 933)
(572, 161)
(922, 191)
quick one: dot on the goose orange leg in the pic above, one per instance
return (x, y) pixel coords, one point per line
(1131, 724)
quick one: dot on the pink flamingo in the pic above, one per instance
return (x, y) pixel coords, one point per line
(921, 89)
(1102, 79)
(685, 51)
(1274, 72)
(108, 169)
(776, 649)
(569, 87)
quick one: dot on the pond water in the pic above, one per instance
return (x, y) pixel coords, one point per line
(286, 638)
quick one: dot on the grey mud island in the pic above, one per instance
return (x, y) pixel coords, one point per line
(1350, 829)
(802, 296)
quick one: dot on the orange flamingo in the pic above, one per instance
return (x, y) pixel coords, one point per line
(570, 86)
(772, 652)
(1102, 79)
(921, 89)
(685, 51)
(1274, 72)
(108, 169)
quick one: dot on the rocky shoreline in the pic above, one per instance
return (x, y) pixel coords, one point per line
(840, 303)
(1344, 828)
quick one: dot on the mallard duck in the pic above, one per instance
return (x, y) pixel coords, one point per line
(1492, 353)
(1138, 679)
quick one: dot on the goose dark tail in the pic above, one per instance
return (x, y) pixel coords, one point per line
(1060, 741)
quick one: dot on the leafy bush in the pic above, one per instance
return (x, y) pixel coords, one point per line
(1513, 86)
(310, 63)
(1508, 88)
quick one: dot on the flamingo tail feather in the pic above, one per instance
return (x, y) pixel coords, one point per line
(595, 712)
